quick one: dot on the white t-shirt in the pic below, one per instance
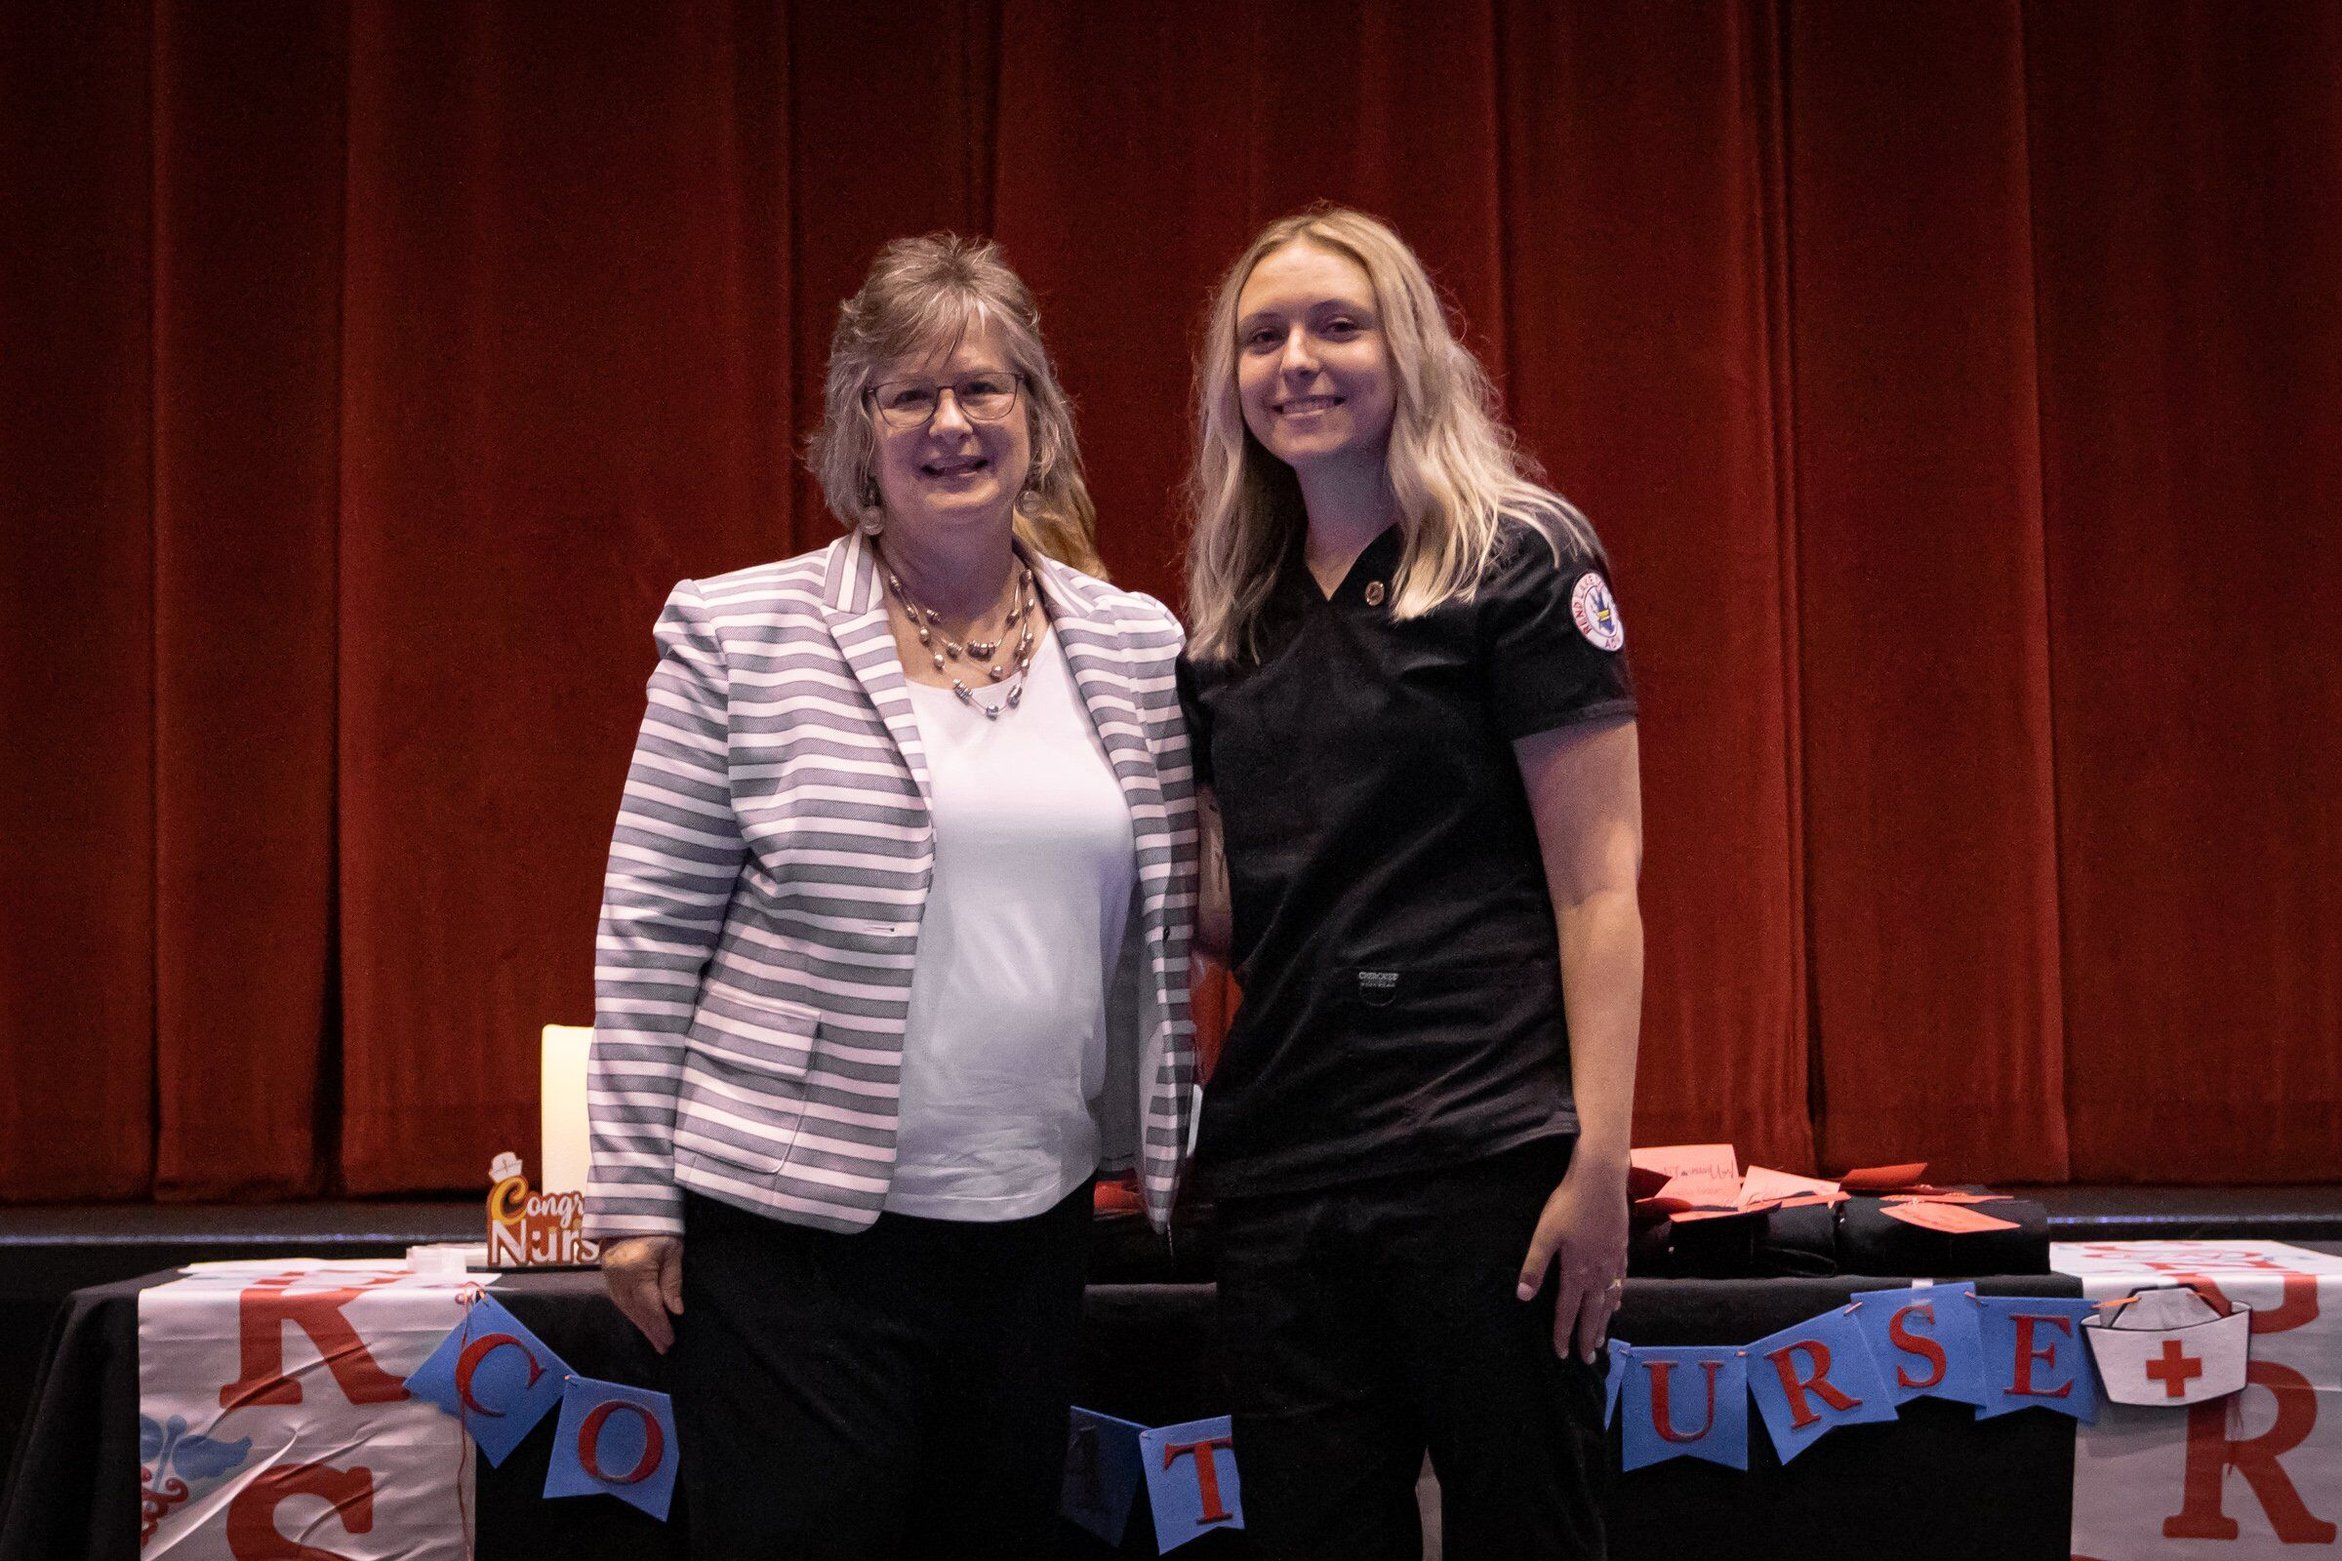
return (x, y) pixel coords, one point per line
(1004, 1049)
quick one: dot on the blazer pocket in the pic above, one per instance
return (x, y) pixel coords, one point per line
(754, 1034)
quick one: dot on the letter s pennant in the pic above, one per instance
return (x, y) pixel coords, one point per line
(494, 1375)
(1685, 1403)
(1815, 1377)
(1925, 1341)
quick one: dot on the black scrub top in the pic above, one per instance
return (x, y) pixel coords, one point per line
(1393, 933)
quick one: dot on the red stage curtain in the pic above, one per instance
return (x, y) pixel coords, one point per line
(1929, 808)
(1951, 387)
(2187, 198)
(77, 608)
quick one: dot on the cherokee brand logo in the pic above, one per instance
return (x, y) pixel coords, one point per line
(1596, 614)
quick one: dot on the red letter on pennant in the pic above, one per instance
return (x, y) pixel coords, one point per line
(1917, 1344)
(2022, 1385)
(1801, 1413)
(589, 1443)
(1207, 1474)
(1662, 1420)
(469, 1362)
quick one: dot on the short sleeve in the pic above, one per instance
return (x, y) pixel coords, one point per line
(1552, 636)
(1198, 716)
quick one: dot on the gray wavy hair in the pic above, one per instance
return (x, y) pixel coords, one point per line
(921, 296)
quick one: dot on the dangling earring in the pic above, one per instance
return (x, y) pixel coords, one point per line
(873, 509)
(1030, 493)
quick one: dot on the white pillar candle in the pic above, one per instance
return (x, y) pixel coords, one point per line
(561, 1164)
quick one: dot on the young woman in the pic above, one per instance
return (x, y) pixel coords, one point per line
(1407, 691)
(893, 957)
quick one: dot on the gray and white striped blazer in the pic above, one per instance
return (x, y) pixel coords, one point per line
(767, 879)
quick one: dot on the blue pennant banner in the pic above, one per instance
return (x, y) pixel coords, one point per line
(1815, 1377)
(1191, 1480)
(1686, 1403)
(616, 1440)
(2035, 1356)
(494, 1375)
(1612, 1380)
(1102, 1473)
(1925, 1341)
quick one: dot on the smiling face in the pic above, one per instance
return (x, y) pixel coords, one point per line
(1313, 370)
(951, 472)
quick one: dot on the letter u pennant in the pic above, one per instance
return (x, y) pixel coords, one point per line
(1813, 1378)
(494, 1375)
(1684, 1403)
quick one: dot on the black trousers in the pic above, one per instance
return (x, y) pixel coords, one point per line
(901, 1391)
(1366, 1323)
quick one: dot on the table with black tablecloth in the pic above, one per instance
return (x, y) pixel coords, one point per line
(1934, 1483)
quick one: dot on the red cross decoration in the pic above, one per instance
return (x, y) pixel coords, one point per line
(2174, 1369)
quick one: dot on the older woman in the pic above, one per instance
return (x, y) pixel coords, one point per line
(893, 956)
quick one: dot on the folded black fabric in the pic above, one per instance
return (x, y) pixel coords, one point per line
(1871, 1242)
(1762, 1244)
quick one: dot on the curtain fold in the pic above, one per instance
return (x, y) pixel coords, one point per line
(563, 382)
(1953, 388)
(246, 334)
(1640, 255)
(1929, 803)
(2186, 185)
(77, 628)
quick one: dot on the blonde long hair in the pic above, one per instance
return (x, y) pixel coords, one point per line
(1453, 467)
(921, 296)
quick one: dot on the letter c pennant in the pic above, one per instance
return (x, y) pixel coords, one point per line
(1685, 1403)
(494, 1375)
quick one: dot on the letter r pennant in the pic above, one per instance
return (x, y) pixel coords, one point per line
(1810, 1379)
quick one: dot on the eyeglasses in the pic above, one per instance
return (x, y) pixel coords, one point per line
(910, 403)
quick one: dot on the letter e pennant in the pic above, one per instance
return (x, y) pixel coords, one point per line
(2035, 1356)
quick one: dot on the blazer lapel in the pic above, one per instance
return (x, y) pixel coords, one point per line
(854, 602)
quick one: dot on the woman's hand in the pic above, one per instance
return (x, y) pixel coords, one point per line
(645, 1277)
(1583, 1229)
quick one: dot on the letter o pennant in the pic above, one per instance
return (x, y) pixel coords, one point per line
(594, 1450)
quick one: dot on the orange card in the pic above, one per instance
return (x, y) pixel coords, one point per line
(1948, 1195)
(1710, 1162)
(1951, 1218)
(1766, 1185)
